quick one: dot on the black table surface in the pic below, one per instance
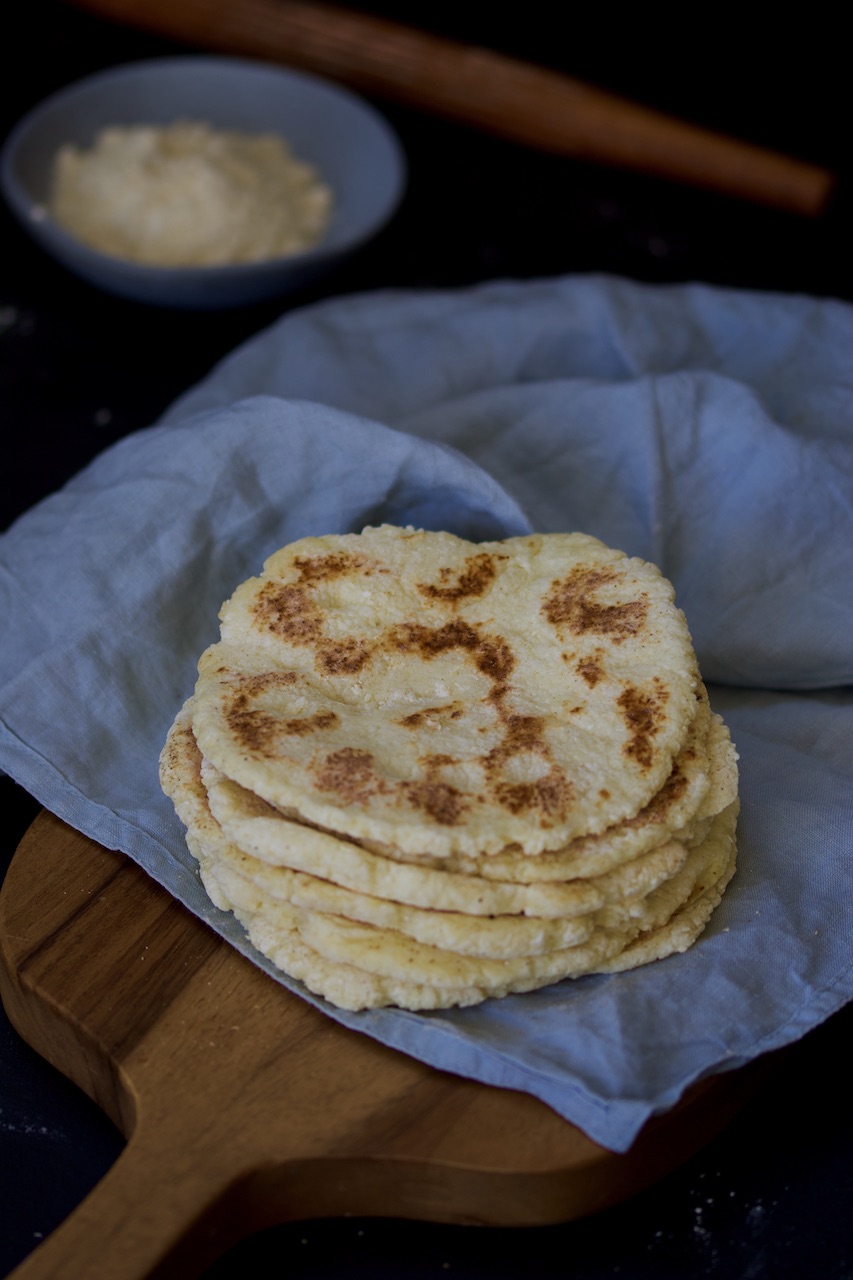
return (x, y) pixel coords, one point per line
(771, 1195)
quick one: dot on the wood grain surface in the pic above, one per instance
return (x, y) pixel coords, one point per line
(482, 88)
(245, 1107)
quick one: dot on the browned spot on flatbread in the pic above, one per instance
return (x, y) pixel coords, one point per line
(443, 802)
(643, 713)
(590, 669)
(254, 685)
(549, 797)
(490, 654)
(310, 724)
(325, 567)
(349, 773)
(342, 657)
(431, 717)
(571, 603)
(496, 660)
(521, 733)
(254, 728)
(291, 613)
(473, 580)
(437, 760)
(288, 612)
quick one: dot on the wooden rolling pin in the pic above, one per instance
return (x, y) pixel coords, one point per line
(483, 89)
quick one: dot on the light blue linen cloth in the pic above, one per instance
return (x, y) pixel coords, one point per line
(710, 431)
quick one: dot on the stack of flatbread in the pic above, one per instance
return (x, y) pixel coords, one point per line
(423, 772)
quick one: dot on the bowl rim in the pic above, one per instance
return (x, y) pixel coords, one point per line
(33, 214)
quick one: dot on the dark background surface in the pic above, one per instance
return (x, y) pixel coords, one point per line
(771, 1196)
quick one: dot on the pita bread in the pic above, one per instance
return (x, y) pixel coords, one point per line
(183, 771)
(446, 697)
(425, 772)
(348, 985)
(262, 831)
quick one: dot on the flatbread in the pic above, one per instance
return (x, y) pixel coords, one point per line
(702, 783)
(424, 772)
(441, 697)
(682, 929)
(331, 971)
(258, 829)
(392, 954)
(344, 985)
(643, 894)
(254, 885)
(373, 899)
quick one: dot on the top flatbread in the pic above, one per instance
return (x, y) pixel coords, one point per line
(443, 697)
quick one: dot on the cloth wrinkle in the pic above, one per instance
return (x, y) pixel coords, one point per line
(708, 430)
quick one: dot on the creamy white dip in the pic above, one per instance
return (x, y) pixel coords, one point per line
(189, 195)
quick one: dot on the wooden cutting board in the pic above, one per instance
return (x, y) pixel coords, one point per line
(245, 1107)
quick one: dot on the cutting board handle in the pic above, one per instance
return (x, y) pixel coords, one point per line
(244, 1106)
(153, 1214)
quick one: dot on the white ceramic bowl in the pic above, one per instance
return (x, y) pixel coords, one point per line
(348, 142)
